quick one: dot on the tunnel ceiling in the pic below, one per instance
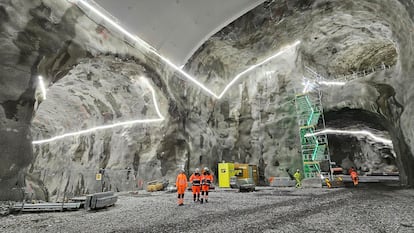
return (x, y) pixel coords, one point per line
(95, 76)
(176, 28)
(347, 117)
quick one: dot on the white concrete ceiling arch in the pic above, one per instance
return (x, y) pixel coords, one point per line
(176, 28)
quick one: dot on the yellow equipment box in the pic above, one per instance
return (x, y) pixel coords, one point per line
(226, 170)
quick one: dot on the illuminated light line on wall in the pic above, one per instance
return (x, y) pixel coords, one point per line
(145, 45)
(168, 62)
(235, 79)
(332, 83)
(352, 132)
(154, 99)
(309, 86)
(172, 65)
(125, 123)
(113, 23)
(320, 80)
(42, 86)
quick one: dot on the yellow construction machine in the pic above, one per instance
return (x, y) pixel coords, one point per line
(237, 175)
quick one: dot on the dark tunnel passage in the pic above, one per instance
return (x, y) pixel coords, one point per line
(367, 158)
(368, 155)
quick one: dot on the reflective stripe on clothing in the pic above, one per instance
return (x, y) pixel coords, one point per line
(206, 180)
(195, 180)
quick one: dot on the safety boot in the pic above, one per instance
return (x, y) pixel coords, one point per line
(201, 201)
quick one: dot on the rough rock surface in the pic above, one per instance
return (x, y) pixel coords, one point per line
(97, 92)
(254, 122)
(37, 38)
(340, 40)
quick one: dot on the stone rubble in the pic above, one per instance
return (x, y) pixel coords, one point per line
(373, 208)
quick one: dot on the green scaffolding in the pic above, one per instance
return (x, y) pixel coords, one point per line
(314, 148)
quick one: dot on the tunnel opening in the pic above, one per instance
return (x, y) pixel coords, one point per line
(368, 155)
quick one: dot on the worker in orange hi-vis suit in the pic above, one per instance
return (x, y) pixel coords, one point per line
(354, 175)
(181, 183)
(195, 180)
(206, 181)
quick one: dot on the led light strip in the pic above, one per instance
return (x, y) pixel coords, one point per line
(168, 62)
(42, 86)
(161, 118)
(281, 51)
(352, 132)
(308, 85)
(172, 65)
(332, 83)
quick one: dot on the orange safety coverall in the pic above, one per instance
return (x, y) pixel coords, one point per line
(206, 180)
(181, 183)
(354, 176)
(195, 180)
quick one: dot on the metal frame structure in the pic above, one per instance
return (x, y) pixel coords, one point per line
(315, 150)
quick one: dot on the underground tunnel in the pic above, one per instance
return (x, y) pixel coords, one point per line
(137, 90)
(368, 156)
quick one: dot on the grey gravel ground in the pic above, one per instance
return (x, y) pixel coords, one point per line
(374, 208)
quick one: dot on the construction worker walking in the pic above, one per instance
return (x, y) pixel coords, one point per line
(195, 180)
(206, 181)
(181, 183)
(354, 175)
(298, 178)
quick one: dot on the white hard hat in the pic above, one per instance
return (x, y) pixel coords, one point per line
(197, 170)
(206, 169)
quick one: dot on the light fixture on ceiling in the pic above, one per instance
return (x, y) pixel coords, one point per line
(125, 123)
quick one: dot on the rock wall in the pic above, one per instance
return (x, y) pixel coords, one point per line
(92, 80)
(340, 40)
(39, 38)
(97, 92)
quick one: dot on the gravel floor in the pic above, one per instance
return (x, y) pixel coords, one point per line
(373, 208)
